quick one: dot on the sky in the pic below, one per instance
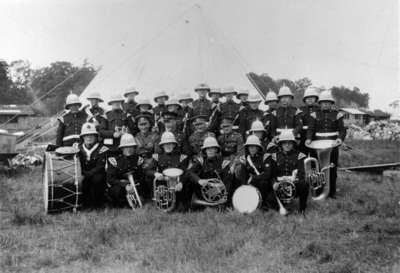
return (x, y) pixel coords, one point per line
(342, 42)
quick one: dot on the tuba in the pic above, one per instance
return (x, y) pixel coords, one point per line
(214, 193)
(133, 198)
(164, 194)
(317, 172)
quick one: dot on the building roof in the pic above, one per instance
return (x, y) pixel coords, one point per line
(353, 111)
(13, 109)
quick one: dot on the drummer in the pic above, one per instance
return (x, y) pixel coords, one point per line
(92, 155)
(118, 168)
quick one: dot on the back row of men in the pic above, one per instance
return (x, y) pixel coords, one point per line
(192, 121)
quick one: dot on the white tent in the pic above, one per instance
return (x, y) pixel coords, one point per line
(187, 52)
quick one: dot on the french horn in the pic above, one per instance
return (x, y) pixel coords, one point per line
(213, 193)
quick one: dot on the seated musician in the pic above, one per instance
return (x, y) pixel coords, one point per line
(170, 157)
(257, 129)
(200, 133)
(146, 139)
(119, 166)
(257, 172)
(170, 123)
(143, 107)
(92, 155)
(288, 161)
(209, 164)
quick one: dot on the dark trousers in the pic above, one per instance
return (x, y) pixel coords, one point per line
(302, 190)
(117, 194)
(93, 190)
(333, 171)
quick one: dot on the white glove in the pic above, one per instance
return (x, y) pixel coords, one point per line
(178, 187)
(339, 141)
(203, 182)
(275, 186)
(129, 188)
(308, 142)
(158, 176)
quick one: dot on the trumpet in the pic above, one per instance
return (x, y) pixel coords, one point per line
(133, 198)
(164, 194)
(214, 193)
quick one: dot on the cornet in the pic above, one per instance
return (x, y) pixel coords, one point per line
(133, 198)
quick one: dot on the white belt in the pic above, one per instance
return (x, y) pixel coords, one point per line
(330, 134)
(305, 127)
(70, 137)
(108, 141)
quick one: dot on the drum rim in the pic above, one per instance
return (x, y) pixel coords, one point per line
(330, 143)
(234, 204)
(170, 172)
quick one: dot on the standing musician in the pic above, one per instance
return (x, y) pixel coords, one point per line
(199, 135)
(327, 123)
(210, 164)
(242, 96)
(146, 139)
(257, 129)
(170, 157)
(310, 100)
(94, 111)
(214, 120)
(112, 129)
(70, 124)
(202, 106)
(130, 106)
(230, 141)
(119, 166)
(160, 98)
(187, 110)
(286, 162)
(287, 116)
(271, 100)
(93, 156)
(173, 106)
(143, 107)
(229, 109)
(248, 115)
(257, 172)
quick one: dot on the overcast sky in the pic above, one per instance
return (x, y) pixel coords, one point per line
(342, 42)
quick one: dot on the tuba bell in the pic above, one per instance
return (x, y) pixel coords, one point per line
(164, 193)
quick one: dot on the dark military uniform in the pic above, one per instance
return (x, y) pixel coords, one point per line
(246, 117)
(202, 107)
(116, 119)
(229, 109)
(93, 161)
(182, 146)
(214, 119)
(231, 144)
(146, 143)
(287, 118)
(283, 164)
(69, 128)
(95, 115)
(305, 117)
(187, 114)
(158, 111)
(196, 142)
(130, 107)
(328, 125)
(269, 122)
(117, 169)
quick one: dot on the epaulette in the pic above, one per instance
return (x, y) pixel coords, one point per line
(267, 123)
(298, 112)
(266, 155)
(200, 160)
(242, 159)
(182, 157)
(301, 156)
(103, 149)
(113, 161)
(273, 156)
(61, 119)
(339, 115)
(270, 145)
(273, 112)
(155, 157)
(314, 115)
(140, 160)
(225, 163)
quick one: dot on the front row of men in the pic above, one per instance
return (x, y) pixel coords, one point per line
(105, 173)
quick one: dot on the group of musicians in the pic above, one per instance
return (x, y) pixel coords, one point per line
(236, 143)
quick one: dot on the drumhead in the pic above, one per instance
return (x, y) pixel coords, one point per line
(246, 199)
(322, 144)
(67, 150)
(172, 172)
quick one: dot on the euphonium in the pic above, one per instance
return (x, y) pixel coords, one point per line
(314, 177)
(164, 193)
(133, 198)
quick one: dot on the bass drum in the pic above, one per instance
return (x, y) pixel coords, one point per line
(246, 199)
(62, 183)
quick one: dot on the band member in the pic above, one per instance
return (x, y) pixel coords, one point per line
(93, 156)
(112, 129)
(117, 170)
(202, 106)
(210, 164)
(230, 141)
(257, 129)
(94, 111)
(70, 124)
(170, 122)
(243, 95)
(248, 115)
(145, 139)
(214, 120)
(310, 100)
(327, 123)
(287, 116)
(170, 157)
(160, 98)
(130, 106)
(200, 133)
(187, 110)
(229, 108)
(271, 100)
(173, 106)
(257, 172)
(286, 162)
(143, 107)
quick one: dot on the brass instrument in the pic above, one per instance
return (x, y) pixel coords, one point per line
(317, 172)
(133, 198)
(214, 193)
(164, 193)
(286, 191)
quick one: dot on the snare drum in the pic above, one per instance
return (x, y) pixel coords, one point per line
(62, 182)
(246, 199)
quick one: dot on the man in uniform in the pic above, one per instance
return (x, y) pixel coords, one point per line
(118, 168)
(230, 141)
(187, 110)
(242, 96)
(327, 123)
(143, 107)
(200, 133)
(287, 116)
(271, 100)
(170, 121)
(70, 124)
(160, 98)
(248, 115)
(146, 139)
(202, 106)
(229, 109)
(116, 123)
(310, 99)
(214, 120)
(130, 106)
(94, 111)
(93, 156)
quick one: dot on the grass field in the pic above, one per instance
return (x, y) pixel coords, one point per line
(358, 232)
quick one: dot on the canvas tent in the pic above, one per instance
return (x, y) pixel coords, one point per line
(190, 51)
